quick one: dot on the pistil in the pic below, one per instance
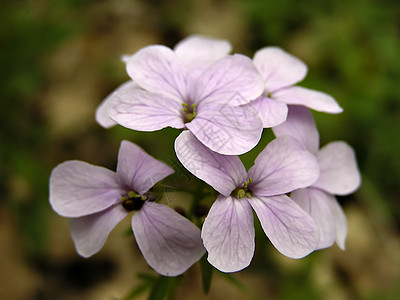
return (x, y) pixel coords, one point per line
(190, 112)
(244, 190)
(133, 201)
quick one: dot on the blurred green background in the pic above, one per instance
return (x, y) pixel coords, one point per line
(60, 59)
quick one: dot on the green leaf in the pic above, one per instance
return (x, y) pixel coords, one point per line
(147, 282)
(137, 291)
(206, 274)
(163, 287)
(147, 277)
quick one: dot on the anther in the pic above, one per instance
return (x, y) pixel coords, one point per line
(132, 194)
(241, 193)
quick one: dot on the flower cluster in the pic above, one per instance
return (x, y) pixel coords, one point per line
(222, 102)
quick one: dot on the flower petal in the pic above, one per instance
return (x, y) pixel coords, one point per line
(228, 234)
(340, 222)
(300, 125)
(223, 173)
(229, 130)
(282, 167)
(90, 233)
(278, 68)
(102, 115)
(169, 242)
(78, 188)
(199, 52)
(290, 229)
(316, 100)
(271, 112)
(158, 69)
(339, 172)
(138, 170)
(233, 80)
(141, 110)
(316, 203)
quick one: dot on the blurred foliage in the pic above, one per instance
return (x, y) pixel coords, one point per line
(29, 30)
(351, 47)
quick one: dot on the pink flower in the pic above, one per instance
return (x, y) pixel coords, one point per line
(339, 175)
(96, 199)
(228, 231)
(198, 87)
(280, 72)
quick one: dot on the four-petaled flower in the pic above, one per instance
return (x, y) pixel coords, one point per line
(280, 71)
(190, 88)
(339, 175)
(222, 102)
(228, 230)
(96, 199)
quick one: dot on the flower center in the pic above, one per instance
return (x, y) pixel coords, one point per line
(244, 190)
(133, 201)
(189, 112)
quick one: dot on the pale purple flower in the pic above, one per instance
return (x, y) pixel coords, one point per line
(228, 231)
(339, 175)
(102, 116)
(197, 86)
(96, 199)
(280, 71)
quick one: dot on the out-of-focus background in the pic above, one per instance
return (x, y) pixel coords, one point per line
(60, 59)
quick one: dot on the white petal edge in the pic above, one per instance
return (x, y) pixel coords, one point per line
(315, 100)
(223, 173)
(272, 113)
(289, 228)
(228, 234)
(278, 68)
(90, 233)
(102, 112)
(340, 222)
(141, 110)
(339, 172)
(169, 242)
(228, 130)
(158, 69)
(316, 204)
(138, 170)
(282, 167)
(300, 124)
(198, 52)
(232, 80)
(78, 188)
